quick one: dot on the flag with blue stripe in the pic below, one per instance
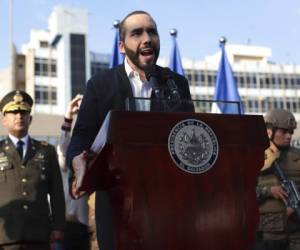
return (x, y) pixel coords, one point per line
(175, 59)
(226, 87)
(116, 57)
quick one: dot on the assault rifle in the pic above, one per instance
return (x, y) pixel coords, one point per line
(289, 186)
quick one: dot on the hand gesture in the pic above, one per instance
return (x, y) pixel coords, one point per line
(73, 106)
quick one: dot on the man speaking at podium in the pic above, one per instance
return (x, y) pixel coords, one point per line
(138, 76)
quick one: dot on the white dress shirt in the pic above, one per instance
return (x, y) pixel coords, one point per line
(25, 141)
(139, 88)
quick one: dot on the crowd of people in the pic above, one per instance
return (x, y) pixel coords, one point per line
(33, 175)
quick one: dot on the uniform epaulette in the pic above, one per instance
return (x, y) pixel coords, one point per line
(44, 143)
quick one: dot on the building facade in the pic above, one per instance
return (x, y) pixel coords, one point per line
(57, 60)
(262, 85)
(56, 63)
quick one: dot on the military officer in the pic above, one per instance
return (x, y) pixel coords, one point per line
(29, 174)
(279, 226)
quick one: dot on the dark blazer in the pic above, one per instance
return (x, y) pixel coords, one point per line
(24, 188)
(108, 91)
(105, 92)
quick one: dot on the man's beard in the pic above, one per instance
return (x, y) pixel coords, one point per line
(134, 58)
(281, 147)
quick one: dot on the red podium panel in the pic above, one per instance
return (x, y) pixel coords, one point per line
(156, 205)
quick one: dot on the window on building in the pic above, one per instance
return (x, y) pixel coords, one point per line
(44, 44)
(261, 81)
(278, 103)
(253, 105)
(251, 81)
(263, 105)
(196, 77)
(203, 105)
(44, 67)
(98, 67)
(298, 80)
(211, 78)
(241, 81)
(267, 80)
(188, 75)
(248, 80)
(279, 79)
(291, 104)
(203, 77)
(236, 80)
(293, 82)
(45, 95)
(273, 80)
(286, 82)
(78, 63)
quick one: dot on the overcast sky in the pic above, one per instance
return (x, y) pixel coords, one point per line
(200, 23)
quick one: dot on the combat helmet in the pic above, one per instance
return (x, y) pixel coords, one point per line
(280, 118)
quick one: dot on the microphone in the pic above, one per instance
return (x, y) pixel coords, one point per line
(171, 85)
(151, 76)
(173, 89)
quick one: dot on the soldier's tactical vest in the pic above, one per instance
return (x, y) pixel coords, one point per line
(289, 161)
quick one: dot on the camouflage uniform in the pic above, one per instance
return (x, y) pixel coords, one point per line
(278, 230)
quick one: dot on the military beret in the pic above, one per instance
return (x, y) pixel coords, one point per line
(16, 100)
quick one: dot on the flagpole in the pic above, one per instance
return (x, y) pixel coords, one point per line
(116, 23)
(175, 63)
(173, 32)
(222, 40)
(226, 90)
(11, 46)
(116, 57)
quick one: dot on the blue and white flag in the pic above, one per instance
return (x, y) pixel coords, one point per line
(175, 59)
(226, 88)
(116, 57)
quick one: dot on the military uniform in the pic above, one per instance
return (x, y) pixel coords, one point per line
(24, 186)
(27, 181)
(278, 230)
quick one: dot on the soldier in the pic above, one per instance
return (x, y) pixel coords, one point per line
(29, 173)
(279, 227)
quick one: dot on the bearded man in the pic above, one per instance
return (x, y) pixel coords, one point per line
(140, 43)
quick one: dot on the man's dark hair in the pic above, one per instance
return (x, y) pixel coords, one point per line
(122, 30)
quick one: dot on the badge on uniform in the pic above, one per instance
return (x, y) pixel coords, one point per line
(4, 163)
(40, 156)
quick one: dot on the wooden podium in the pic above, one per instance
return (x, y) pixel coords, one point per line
(158, 206)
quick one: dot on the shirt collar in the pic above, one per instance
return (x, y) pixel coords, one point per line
(15, 139)
(128, 69)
